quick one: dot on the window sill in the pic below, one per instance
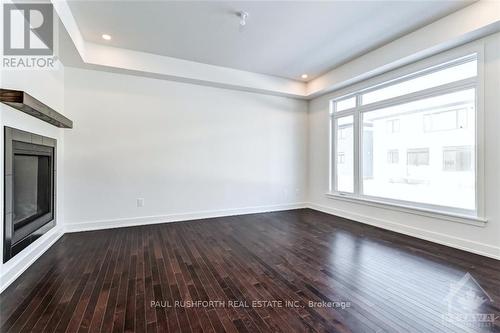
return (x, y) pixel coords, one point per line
(471, 220)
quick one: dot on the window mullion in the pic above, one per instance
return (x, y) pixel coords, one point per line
(357, 147)
(333, 154)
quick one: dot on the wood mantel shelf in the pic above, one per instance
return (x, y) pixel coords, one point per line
(26, 103)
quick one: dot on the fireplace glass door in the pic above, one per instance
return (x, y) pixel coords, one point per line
(32, 191)
(32, 187)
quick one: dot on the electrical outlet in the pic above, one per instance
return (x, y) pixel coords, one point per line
(140, 202)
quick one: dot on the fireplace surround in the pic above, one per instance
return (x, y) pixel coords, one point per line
(29, 188)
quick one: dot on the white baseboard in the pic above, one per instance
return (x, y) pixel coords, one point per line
(136, 221)
(12, 269)
(443, 239)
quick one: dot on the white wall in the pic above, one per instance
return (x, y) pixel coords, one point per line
(48, 87)
(483, 240)
(188, 150)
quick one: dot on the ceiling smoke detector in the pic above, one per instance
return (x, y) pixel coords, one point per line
(243, 17)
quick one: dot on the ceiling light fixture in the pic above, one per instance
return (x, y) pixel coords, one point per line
(106, 37)
(243, 17)
(304, 76)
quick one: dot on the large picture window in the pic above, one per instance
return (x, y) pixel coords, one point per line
(410, 141)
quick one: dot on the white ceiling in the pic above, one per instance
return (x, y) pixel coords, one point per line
(281, 38)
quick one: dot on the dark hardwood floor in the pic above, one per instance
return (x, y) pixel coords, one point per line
(317, 272)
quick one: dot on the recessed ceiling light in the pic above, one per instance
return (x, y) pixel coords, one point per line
(304, 76)
(106, 37)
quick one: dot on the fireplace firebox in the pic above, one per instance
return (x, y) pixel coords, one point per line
(29, 183)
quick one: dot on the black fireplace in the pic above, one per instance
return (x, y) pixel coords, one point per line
(28, 189)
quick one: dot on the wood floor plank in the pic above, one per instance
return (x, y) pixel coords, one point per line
(74, 318)
(210, 275)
